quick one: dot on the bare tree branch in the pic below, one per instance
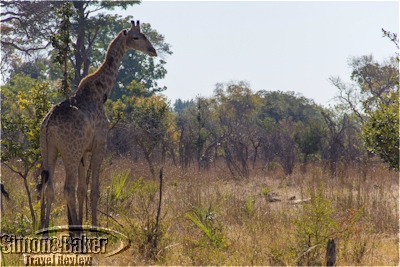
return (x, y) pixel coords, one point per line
(27, 50)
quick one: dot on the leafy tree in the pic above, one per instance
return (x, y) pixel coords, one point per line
(36, 69)
(20, 126)
(147, 121)
(85, 28)
(308, 138)
(150, 122)
(371, 81)
(372, 96)
(20, 82)
(189, 116)
(376, 80)
(381, 131)
(337, 126)
(285, 145)
(61, 42)
(268, 145)
(237, 114)
(25, 27)
(27, 24)
(295, 112)
(193, 124)
(92, 32)
(280, 105)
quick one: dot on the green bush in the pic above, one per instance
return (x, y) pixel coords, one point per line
(313, 228)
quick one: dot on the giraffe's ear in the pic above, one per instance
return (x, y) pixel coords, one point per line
(125, 32)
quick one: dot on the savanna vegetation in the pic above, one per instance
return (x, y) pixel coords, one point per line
(250, 177)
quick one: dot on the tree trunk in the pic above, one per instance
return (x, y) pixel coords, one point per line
(30, 202)
(331, 253)
(305, 163)
(79, 46)
(147, 156)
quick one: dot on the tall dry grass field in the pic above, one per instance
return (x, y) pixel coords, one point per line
(209, 218)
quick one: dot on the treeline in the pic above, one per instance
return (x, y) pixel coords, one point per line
(239, 127)
(246, 130)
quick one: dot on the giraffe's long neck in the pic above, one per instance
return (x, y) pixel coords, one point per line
(100, 83)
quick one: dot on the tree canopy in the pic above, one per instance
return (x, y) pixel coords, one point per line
(80, 32)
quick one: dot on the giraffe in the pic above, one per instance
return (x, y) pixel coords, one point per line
(78, 126)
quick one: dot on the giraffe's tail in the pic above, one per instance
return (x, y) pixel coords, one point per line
(44, 176)
(4, 192)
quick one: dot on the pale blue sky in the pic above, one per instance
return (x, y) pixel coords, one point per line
(286, 46)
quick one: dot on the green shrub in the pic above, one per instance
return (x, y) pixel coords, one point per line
(313, 228)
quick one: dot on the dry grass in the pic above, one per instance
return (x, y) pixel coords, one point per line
(359, 209)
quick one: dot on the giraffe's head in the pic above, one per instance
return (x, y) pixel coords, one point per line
(138, 41)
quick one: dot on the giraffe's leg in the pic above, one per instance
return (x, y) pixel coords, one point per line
(82, 185)
(49, 201)
(69, 216)
(97, 158)
(71, 168)
(47, 194)
(42, 208)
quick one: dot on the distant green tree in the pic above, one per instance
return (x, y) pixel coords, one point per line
(193, 123)
(308, 138)
(36, 69)
(285, 145)
(180, 105)
(281, 105)
(294, 112)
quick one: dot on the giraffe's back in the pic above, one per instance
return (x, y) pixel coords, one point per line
(68, 128)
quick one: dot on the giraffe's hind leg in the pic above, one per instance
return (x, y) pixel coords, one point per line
(45, 177)
(47, 193)
(82, 185)
(70, 186)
